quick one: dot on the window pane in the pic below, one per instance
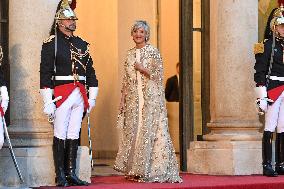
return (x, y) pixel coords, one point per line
(196, 13)
(4, 9)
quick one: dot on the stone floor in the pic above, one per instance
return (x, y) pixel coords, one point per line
(104, 167)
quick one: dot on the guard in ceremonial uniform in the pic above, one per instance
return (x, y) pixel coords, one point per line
(269, 78)
(4, 100)
(66, 71)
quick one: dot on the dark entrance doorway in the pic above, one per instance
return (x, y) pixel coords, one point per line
(188, 30)
(4, 38)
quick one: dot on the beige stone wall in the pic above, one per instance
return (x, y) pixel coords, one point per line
(169, 48)
(169, 35)
(98, 25)
(106, 25)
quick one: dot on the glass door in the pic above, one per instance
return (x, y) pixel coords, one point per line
(194, 74)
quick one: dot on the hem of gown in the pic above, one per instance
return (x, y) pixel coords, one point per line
(131, 176)
(177, 179)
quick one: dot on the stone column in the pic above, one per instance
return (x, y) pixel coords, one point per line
(234, 145)
(30, 133)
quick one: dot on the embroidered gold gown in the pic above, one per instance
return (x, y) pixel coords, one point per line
(145, 147)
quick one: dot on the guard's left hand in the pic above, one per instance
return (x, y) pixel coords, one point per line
(92, 103)
(4, 98)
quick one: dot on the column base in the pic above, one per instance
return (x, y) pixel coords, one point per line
(225, 157)
(37, 167)
(83, 164)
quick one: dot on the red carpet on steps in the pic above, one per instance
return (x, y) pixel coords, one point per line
(189, 182)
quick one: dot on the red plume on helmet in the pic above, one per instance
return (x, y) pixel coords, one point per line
(281, 2)
(73, 4)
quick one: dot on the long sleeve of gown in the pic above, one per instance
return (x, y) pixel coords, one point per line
(156, 68)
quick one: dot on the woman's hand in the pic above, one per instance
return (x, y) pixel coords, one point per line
(138, 67)
(141, 69)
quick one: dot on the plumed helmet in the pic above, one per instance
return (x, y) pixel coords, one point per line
(66, 10)
(278, 17)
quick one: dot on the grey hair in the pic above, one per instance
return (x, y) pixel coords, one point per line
(141, 24)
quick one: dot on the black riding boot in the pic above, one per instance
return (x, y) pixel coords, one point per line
(267, 154)
(279, 153)
(71, 155)
(58, 156)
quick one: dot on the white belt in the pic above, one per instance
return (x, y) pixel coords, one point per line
(70, 77)
(276, 78)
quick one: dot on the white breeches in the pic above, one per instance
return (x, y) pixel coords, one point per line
(274, 116)
(68, 117)
(1, 134)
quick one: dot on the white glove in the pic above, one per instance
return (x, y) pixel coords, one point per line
(93, 93)
(261, 95)
(262, 104)
(49, 110)
(4, 98)
(49, 107)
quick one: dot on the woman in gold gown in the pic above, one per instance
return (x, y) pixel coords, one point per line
(146, 152)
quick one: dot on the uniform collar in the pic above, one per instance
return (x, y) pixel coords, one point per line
(65, 36)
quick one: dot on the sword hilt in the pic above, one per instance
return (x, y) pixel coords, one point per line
(51, 118)
(54, 100)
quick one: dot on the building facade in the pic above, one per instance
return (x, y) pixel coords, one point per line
(212, 40)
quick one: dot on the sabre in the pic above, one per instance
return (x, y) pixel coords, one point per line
(11, 150)
(51, 118)
(90, 140)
